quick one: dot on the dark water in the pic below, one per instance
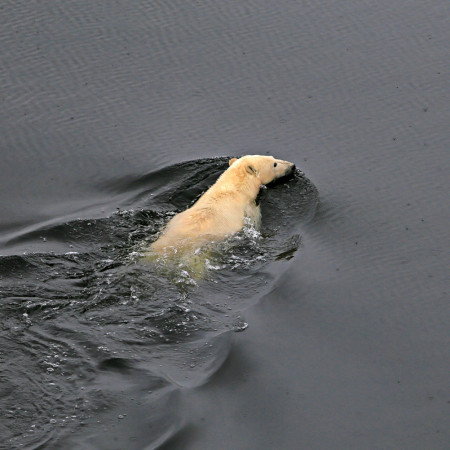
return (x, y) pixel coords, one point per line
(116, 115)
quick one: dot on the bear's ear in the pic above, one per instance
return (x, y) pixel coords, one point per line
(232, 160)
(251, 170)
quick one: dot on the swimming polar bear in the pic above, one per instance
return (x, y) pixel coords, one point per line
(224, 208)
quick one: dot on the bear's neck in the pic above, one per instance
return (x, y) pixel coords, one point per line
(238, 182)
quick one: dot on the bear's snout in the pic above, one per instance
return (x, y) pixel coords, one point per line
(291, 169)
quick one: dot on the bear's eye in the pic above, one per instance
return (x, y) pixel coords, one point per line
(274, 164)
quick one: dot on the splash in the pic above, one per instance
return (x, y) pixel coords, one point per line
(91, 327)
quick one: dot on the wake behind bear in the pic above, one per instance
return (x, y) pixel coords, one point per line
(223, 209)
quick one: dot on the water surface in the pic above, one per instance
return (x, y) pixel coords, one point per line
(115, 116)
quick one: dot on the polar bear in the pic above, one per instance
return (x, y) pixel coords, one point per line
(224, 208)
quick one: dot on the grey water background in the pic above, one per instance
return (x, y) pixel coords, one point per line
(107, 111)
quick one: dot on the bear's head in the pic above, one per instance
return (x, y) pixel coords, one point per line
(265, 168)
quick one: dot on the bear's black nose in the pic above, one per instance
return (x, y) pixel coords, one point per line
(293, 167)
